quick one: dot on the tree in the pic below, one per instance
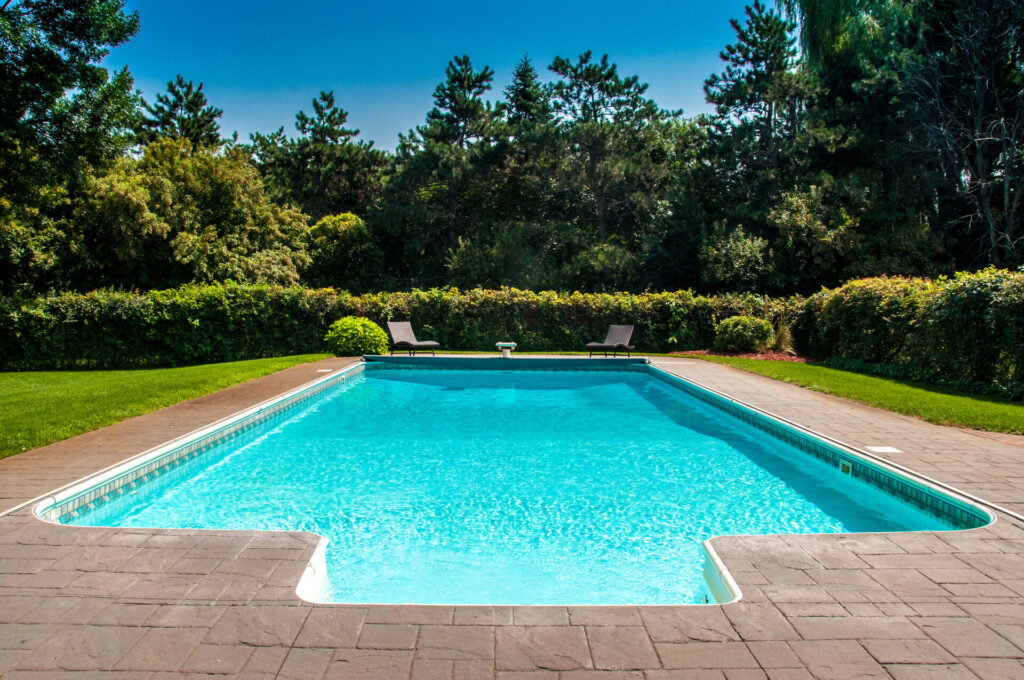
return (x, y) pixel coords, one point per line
(342, 254)
(179, 215)
(967, 80)
(323, 171)
(50, 77)
(604, 117)
(531, 150)
(440, 191)
(60, 113)
(759, 97)
(460, 116)
(512, 242)
(527, 102)
(183, 113)
(822, 22)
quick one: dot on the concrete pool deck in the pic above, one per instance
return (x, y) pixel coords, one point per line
(83, 602)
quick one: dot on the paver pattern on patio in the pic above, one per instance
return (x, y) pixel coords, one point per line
(82, 602)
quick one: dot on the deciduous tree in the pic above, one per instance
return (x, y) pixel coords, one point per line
(179, 215)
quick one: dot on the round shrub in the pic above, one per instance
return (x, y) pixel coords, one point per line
(742, 334)
(355, 336)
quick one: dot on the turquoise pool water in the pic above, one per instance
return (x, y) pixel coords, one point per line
(524, 487)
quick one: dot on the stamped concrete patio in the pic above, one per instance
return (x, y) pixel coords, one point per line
(130, 603)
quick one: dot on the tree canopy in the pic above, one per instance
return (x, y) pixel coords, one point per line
(182, 112)
(847, 139)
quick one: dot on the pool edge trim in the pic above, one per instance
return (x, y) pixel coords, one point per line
(46, 502)
(963, 497)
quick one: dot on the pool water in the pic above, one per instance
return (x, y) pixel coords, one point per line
(524, 487)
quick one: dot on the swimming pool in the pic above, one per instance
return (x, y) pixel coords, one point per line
(450, 486)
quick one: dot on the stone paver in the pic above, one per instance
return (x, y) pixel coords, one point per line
(82, 602)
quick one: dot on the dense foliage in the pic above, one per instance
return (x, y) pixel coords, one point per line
(196, 324)
(963, 331)
(743, 334)
(890, 143)
(352, 336)
(60, 113)
(178, 215)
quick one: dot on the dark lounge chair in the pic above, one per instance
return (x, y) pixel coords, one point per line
(402, 337)
(617, 341)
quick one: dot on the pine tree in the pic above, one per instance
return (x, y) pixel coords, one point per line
(460, 116)
(324, 171)
(526, 100)
(327, 124)
(755, 86)
(604, 118)
(183, 113)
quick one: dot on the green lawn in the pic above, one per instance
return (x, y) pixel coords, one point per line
(928, 402)
(40, 407)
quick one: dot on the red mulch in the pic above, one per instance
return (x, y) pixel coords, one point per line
(767, 354)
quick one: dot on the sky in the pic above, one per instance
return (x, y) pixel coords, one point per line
(262, 62)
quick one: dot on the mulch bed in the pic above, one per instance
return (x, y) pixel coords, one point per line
(768, 354)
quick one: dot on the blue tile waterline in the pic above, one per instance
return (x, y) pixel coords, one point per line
(567, 487)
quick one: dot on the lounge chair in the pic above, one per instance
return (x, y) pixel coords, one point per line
(617, 341)
(402, 337)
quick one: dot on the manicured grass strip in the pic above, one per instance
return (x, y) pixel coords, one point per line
(41, 407)
(928, 402)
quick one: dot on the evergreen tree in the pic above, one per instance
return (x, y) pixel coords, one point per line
(324, 170)
(441, 191)
(758, 97)
(531, 151)
(527, 102)
(460, 115)
(760, 101)
(183, 113)
(605, 118)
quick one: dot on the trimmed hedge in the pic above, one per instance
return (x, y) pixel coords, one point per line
(198, 324)
(966, 332)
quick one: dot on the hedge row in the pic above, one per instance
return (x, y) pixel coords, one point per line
(966, 332)
(198, 324)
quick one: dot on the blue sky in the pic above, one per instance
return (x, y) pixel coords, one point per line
(264, 61)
